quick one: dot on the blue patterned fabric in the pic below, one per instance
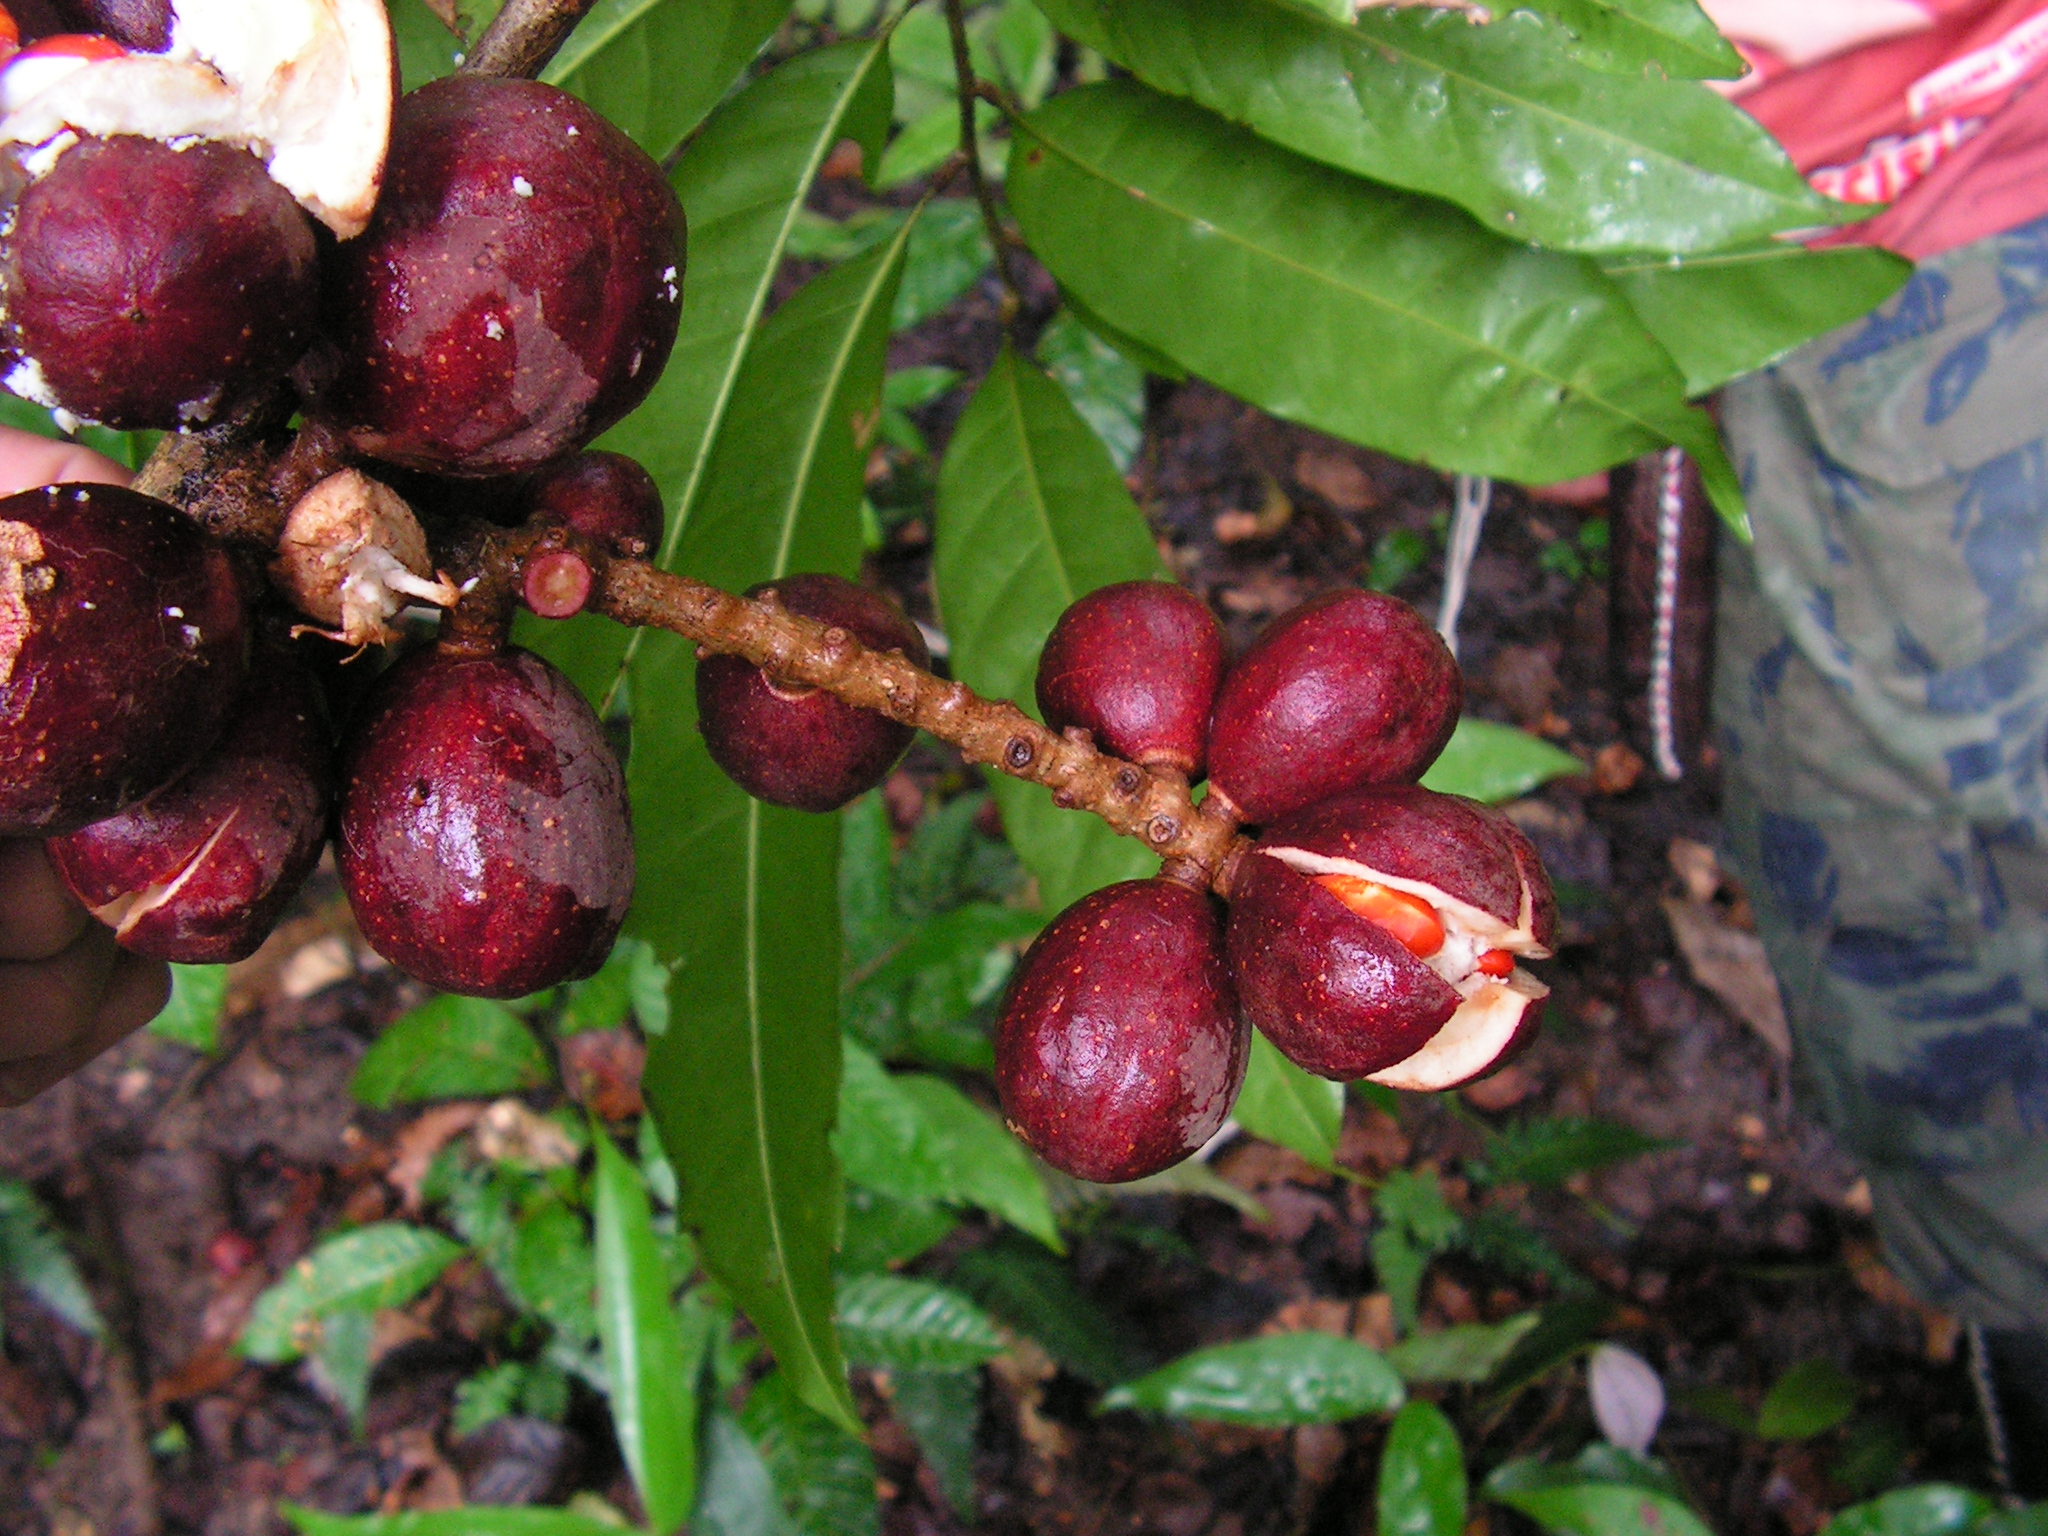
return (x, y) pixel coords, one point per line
(1881, 695)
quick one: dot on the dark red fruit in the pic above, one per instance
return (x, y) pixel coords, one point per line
(145, 286)
(1375, 934)
(483, 836)
(799, 746)
(123, 646)
(199, 872)
(604, 496)
(516, 292)
(1120, 1049)
(1353, 688)
(144, 25)
(1136, 665)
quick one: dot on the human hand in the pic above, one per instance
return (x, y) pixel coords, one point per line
(67, 992)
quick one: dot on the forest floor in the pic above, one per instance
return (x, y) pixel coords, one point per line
(186, 1183)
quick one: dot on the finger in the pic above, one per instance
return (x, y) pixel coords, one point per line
(136, 993)
(46, 1004)
(27, 461)
(38, 917)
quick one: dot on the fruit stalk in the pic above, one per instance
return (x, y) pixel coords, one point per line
(967, 88)
(523, 37)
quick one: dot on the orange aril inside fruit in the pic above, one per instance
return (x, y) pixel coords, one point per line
(1495, 962)
(1408, 918)
(88, 46)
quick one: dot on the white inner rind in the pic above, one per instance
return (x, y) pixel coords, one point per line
(305, 85)
(124, 912)
(1471, 1040)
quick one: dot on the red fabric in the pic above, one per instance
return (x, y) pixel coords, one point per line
(1948, 125)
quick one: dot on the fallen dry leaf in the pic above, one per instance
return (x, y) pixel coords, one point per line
(1336, 477)
(1274, 514)
(415, 1148)
(1617, 768)
(1697, 866)
(1731, 965)
(509, 1132)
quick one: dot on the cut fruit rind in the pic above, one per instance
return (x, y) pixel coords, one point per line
(1474, 1040)
(305, 85)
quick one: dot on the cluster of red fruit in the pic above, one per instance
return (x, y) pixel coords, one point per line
(1373, 928)
(503, 285)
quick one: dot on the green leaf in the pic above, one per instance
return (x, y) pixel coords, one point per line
(741, 895)
(739, 1497)
(903, 1324)
(33, 1257)
(653, 1388)
(1808, 1400)
(1470, 1352)
(340, 1353)
(1106, 387)
(1499, 119)
(1566, 1500)
(1726, 313)
(1564, 1330)
(1546, 1151)
(1625, 35)
(823, 1475)
(948, 252)
(915, 1137)
(451, 1048)
(940, 1409)
(655, 67)
(491, 1394)
(192, 1016)
(1032, 513)
(427, 50)
(1422, 1475)
(382, 1265)
(1281, 1103)
(742, 182)
(1497, 1237)
(1035, 1294)
(472, 1520)
(1478, 354)
(909, 388)
(1492, 762)
(1271, 1382)
(2032, 1520)
(882, 1231)
(554, 1268)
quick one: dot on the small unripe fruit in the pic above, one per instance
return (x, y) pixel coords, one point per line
(1375, 935)
(799, 746)
(484, 841)
(1119, 1049)
(517, 290)
(199, 872)
(145, 286)
(603, 496)
(1136, 665)
(123, 646)
(1350, 689)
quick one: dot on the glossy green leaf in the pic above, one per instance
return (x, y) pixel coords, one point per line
(33, 1256)
(1150, 359)
(1726, 313)
(554, 1269)
(743, 895)
(1037, 1295)
(1931, 1509)
(1106, 387)
(382, 1265)
(340, 1355)
(742, 181)
(451, 1048)
(472, 1520)
(1574, 1501)
(882, 1231)
(940, 1409)
(1499, 119)
(1492, 762)
(653, 1391)
(2032, 1520)
(1564, 1330)
(1628, 36)
(949, 250)
(427, 50)
(1384, 318)
(1032, 514)
(823, 1476)
(655, 67)
(631, 980)
(1281, 1103)
(1810, 1399)
(1546, 1150)
(1422, 1475)
(900, 1323)
(1270, 1382)
(1470, 1352)
(192, 1016)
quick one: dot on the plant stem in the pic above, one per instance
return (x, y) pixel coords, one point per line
(967, 89)
(523, 37)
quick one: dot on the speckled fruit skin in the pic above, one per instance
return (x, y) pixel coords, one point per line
(1137, 665)
(1119, 1049)
(144, 25)
(1338, 995)
(123, 646)
(143, 286)
(800, 747)
(517, 290)
(604, 496)
(483, 837)
(1349, 689)
(233, 838)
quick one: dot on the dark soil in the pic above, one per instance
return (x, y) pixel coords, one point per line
(187, 1184)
